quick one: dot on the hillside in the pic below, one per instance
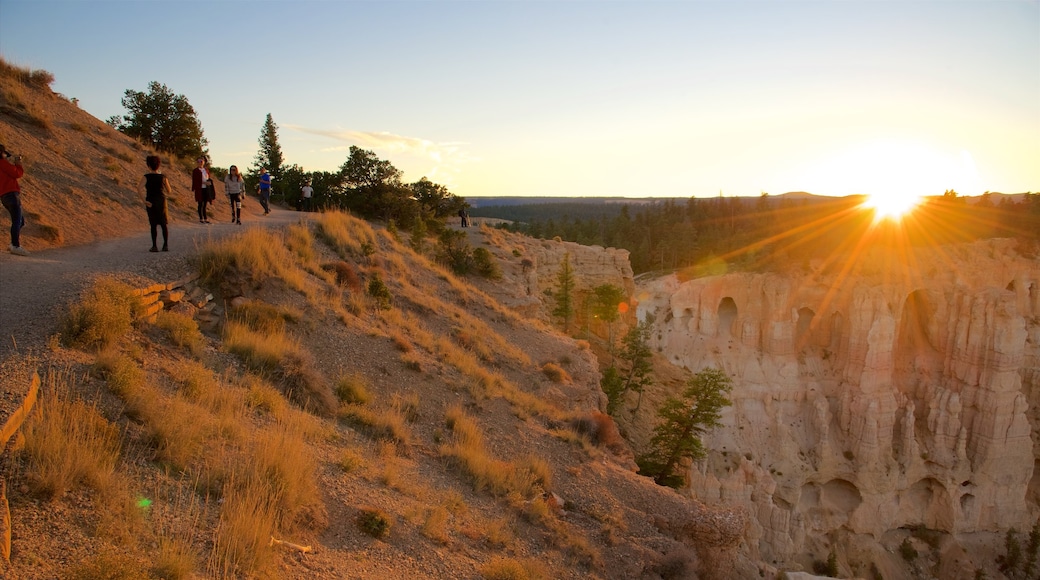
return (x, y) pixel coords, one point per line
(81, 176)
(340, 392)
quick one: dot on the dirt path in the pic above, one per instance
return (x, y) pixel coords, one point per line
(34, 290)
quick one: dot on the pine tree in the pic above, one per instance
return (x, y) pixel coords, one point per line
(565, 293)
(270, 154)
(683, 420)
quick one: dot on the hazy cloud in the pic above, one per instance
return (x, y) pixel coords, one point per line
(442, 162)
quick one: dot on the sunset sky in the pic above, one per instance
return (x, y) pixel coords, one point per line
(581, 98)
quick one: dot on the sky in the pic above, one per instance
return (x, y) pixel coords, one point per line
(580, 98)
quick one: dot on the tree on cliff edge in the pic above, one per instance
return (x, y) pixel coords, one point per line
(565, 293)
(683, 421)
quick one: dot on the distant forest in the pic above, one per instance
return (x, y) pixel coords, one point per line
(765, 233)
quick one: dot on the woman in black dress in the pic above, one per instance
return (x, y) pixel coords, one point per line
(154, 190)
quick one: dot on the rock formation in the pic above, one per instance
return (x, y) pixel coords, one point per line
(900, 393)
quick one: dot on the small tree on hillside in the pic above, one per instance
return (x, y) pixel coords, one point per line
(565, 293)
(683, 421)
(606, 300)
(163, 120)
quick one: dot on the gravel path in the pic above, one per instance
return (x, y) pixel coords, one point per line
(34, 290)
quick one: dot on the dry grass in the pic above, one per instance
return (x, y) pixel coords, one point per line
(270, 491)
(503, 568)
(181, 329)
(345, 234)
(527, 478)
(386, 424)
(103, 315)
(263, 317)
(353, 389)
(263, 397)
(249, 259)
(277, 355)
(69, 443)
(556, 373)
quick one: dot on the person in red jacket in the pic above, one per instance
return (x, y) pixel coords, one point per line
(10, 193)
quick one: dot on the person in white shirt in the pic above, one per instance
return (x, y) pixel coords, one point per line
(235, 188)
(308, 193)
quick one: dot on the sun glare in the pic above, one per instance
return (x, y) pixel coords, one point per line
(894, 174)
(891, 205)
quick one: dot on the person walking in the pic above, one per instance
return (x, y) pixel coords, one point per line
(265, 190)
(235, 188)
(11, 171)
(199, 179)
(307, 192)
(154, 190)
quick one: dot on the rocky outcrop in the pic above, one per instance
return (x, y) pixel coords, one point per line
(531, 269)
(899, 393)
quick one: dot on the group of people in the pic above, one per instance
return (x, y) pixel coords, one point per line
(155, 189)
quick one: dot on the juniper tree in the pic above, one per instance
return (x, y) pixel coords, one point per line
(637, 371)
(163, 120)
(565, 293)
(683, 420)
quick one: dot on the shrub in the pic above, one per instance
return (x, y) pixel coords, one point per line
(907, 551)
(346, 275)
(485, 264)
(556, 373)
(378, 291)
(351, 460)
(600, 429)
(103, 315)
(353, 389)
(374, 522)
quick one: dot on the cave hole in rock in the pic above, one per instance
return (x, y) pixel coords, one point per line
(727, 313)
(928, 503)
(967, 504)
(810, 496)
(803, 328)
(841, 495)
(916, 358)
(1011, 286)
(686, 322)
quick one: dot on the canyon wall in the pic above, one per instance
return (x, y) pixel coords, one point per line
(896, 391)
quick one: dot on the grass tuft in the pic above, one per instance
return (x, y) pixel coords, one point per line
(103, 315)
(69, 443)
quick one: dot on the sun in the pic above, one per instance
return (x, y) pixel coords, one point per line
(894, 174)
(891, 205)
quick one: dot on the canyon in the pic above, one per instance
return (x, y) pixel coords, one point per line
(887, 397)
(898, 393)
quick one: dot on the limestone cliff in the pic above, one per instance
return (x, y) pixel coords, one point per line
(897, 396)
(894, 392)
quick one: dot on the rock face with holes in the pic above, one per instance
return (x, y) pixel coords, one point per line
(899, 393)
